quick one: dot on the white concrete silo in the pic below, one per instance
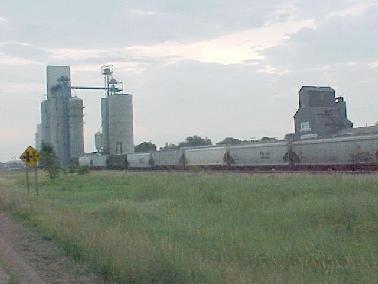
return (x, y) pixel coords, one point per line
(99, 142)
(75, 110)
(58, 96)
(119, 122)
(45, 123)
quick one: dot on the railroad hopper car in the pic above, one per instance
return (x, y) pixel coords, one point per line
(338, 153)
(172, 159)
(116, 162)
(208, 157)
(140, 161)
(349, 153)
(84, 161)
(259, 155)
(99, 161)
(94, 161)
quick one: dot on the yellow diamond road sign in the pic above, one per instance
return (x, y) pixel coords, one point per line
(30, 157)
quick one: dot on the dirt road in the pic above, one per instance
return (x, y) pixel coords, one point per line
(26, 258)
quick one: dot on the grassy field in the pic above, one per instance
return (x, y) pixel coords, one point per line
(208, 228)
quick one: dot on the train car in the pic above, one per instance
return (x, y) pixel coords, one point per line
(260, 155)
(98, 161)
(172, 159)
(208, 157)
(117, 162)
(355, 152)
(84, 161)
(140, 161)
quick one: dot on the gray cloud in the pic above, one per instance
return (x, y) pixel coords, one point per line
(338, 39)
(24, 50)
(99, 24)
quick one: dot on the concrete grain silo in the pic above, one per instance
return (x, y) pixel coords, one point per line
(117, 123)
(38, 137)
(98, 142)
(121, 135)
(62, 116)
(105, 124)
(75, 108)
(58, 96)
(45, 123)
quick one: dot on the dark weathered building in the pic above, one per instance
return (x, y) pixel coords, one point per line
(320, 113)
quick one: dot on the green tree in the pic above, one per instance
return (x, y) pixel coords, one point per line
(169, 146)
(195, 141)
(231, 141)
(145, 147)
(49, 161)
(268, 139)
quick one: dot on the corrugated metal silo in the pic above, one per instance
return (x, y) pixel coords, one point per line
(120, 124)
(76, 127)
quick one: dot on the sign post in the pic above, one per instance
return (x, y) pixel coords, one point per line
(36, 180)
(28, 183)
(31, 158)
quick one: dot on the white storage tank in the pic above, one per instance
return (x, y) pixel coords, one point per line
(98, 142)
(105, 124)
(75, 109)
(120, 124)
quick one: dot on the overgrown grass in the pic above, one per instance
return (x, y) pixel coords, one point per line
(218, 228)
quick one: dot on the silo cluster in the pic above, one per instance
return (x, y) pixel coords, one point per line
(62, 116)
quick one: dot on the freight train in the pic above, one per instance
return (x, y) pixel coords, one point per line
(324, 139)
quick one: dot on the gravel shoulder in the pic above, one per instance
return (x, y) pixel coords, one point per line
(27, 258)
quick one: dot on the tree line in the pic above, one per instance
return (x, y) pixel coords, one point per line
(196, 141)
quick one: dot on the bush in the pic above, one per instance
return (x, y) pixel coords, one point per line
(83, 170)
(49, 161)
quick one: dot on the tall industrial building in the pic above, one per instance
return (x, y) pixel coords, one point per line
(117, 124)
(320, 113)
(38, 137)
(62, 116)
(117, 136)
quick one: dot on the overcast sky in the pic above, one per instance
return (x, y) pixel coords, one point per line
(215, 68)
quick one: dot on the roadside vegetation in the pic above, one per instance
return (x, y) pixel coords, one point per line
(208, 228)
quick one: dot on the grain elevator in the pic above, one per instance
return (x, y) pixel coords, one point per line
(117, 135)
(62, 116)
